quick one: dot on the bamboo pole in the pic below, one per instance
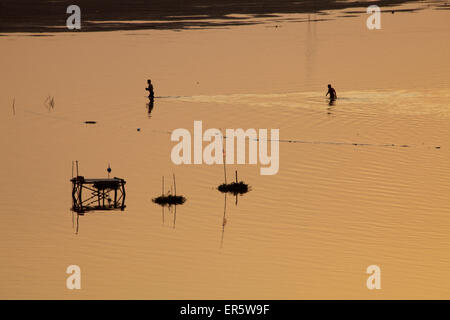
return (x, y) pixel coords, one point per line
(174, 185)
(224, 166)
(224, 218)
(236, 183)
(175, 216)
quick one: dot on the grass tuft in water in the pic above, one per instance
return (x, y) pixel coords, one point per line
(168, 200)
(234, 187)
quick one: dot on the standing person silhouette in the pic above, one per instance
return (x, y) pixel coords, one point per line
(332, 93)
(151, 94)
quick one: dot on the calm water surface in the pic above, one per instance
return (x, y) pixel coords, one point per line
(310, 231)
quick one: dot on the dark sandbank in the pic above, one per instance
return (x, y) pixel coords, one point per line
(101, 15)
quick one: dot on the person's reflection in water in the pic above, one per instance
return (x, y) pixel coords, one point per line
(330, 110)
(150, 106)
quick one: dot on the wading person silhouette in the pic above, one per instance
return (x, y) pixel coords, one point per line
(151, 94)
(332, 93)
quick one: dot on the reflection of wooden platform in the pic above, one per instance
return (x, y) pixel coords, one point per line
(98, 190)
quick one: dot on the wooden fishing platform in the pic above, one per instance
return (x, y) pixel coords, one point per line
(97, 194)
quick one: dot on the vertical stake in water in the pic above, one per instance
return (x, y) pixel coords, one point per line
(77, 166)
(175, 209)
(224, 219)
(175, 216)
(224, 167)
(13, 107)
(174, 185)
(162, 194)
(109, 170)
(236, 183)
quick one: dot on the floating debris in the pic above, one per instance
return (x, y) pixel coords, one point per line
(50, 103)
(90, 122)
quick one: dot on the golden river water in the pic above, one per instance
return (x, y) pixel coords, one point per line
(363, 182)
